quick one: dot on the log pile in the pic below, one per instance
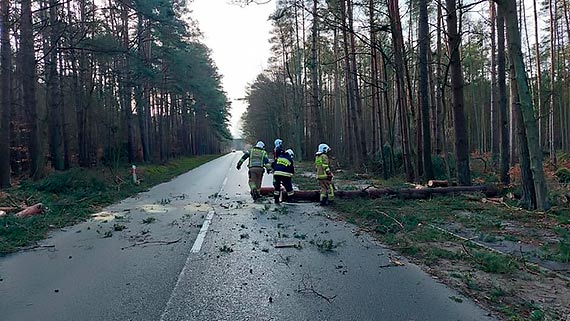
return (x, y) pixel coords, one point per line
(403, 193)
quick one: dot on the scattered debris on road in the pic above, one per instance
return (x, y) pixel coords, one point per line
(307, 287)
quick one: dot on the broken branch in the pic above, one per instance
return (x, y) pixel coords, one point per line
(154, 243)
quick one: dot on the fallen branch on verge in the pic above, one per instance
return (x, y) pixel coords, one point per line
(37, 246)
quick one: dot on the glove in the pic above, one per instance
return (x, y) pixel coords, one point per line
(238, 167)
(269, 171)
(329, 176)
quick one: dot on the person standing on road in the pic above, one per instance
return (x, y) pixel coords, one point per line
(324, 174)
(258, 162)
(283, 171)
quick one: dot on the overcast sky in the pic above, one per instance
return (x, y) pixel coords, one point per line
(239, 40)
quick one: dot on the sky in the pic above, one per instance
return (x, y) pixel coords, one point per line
(239, 40)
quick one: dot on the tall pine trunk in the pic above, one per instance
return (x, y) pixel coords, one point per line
(529, 119)
(55, 110)
(502, 98)
(424, 95)
(6, 93)
(28, 69)
(459, 123)
(399, 67)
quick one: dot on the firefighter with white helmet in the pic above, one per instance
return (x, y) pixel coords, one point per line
(283, 171)
(258, 163)
(324, 174)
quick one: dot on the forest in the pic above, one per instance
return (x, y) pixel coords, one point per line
(414, 89)
(87, 83)
(421, 88)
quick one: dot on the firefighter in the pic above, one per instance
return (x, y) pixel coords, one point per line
(324, 174)
(283, 171)
(258, 162)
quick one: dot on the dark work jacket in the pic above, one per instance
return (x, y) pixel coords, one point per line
(283, 165)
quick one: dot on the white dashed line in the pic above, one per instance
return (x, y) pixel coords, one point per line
(195, 249)
(202, 235)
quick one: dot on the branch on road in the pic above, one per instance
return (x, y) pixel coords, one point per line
(307, 287)
(154, 243)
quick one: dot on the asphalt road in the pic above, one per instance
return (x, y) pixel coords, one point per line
(205, 251)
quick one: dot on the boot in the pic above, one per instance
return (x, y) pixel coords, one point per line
(290, 199)
(276, 198)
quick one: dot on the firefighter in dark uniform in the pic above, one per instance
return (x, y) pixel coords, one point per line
(258, 163)
(283, 171)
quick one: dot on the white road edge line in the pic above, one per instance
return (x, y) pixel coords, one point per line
(202, 234)
(195, 249)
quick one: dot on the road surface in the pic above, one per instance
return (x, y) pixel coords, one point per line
(197, 248)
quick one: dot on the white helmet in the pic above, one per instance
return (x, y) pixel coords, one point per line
(260, 144)
(278, 142)
(323, 148)
(290, 152)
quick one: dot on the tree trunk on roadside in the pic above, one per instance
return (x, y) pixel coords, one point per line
(359, 124)
(317, 126)
(28, 70)
(551, 113)
(528, 193)
(376, 101)
(398, 44)
(529, 119)
(538, 76)
(495, 120)
(502, 99)
(460, 125)
(142, 91)
(55, 110)
(6, 94)
(424, 95)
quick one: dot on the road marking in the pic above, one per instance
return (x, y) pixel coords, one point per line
(195, 249)
(202, 234)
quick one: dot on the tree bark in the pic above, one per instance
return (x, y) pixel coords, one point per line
(495, 120)
(551, 113)
(55, 110)
(460, 125)
(424, 95)
(399, 66)
(28, 69)
(502, 99)
(529, 119)
(6, 94)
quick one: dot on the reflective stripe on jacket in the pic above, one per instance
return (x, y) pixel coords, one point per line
(283, 166)
(322, 166)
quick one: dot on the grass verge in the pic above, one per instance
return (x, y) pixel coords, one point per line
(506, 284)
(72, 196)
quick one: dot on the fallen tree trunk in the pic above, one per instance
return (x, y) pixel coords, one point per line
(403, 193)
(435, 183)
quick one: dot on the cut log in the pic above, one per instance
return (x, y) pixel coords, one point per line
(404, 193)
(435, 183)
(31, 211)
